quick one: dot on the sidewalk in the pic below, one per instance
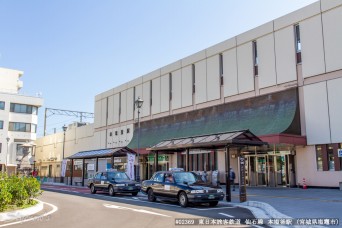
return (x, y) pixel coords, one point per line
(294, 202)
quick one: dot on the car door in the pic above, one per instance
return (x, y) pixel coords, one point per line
(103, 182)
(157, 184)
(97, 180)
(169, 186)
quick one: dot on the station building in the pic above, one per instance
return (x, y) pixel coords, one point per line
(281, 81)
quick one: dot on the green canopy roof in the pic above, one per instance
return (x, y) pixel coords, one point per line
(267, 114)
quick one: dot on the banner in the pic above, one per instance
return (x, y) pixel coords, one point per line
(63, 169)
(130, 165)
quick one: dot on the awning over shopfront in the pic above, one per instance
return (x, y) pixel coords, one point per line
(113, 152)
(219, 140)
(270, 114)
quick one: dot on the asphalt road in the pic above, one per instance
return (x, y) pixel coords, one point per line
(79, 208)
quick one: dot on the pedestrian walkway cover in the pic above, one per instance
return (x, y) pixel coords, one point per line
(104, 153)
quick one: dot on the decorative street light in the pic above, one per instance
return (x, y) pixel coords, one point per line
(8, 139)
(138, 103)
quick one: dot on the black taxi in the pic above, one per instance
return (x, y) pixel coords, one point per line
(113, 182)
(185, 187)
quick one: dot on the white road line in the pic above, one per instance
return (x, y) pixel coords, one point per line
(211, 208)
(54, 209)
(230, 216)
(257, 226)
(133, 209)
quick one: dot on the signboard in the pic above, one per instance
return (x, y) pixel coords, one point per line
(91, 167)
(130, 165)
(339, 152)
(242, 186)
(64, 164)
(160, 158)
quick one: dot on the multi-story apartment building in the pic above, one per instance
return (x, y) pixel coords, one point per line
(18, 123)
(280, 80)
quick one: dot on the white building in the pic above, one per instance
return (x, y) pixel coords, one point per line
(281, 80)
(18, 122)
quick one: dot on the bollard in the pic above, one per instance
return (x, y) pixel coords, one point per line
(304, 184)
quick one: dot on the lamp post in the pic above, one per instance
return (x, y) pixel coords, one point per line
(64, 130)
(138, 103)
(7, 139)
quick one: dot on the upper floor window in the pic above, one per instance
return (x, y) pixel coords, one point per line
(319, 158)
(22, 127)
(255, 57)
(193, 79)
(221, 68)
(1, 124)
(22, 108)
(298, 44)
(170, 85)
(2, 105)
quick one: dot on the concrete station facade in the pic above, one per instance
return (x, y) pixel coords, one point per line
(280, 80)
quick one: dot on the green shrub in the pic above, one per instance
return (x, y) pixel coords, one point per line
(32, 187)
(5, 195)
(18, 191)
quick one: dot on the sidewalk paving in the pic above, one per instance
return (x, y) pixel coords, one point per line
(295, 202)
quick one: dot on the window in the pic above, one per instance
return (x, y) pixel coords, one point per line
(122, 132)
(116, 132)
(2, 105)
(110, 134)
(193, 79)
(159, 177)
(128, 130)
(298, 44)
(255, 58)
(319, 156)
(331, 162)
(150, 93)
(1, 124)
(22, 127)
(0, 147)
(170, 85)
(22, 108)
(221, 69)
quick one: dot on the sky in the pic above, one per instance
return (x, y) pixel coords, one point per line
(70, 51)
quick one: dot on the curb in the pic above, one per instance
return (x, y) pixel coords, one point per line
(5, 216)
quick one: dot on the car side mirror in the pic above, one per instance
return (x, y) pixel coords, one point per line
(185, 182)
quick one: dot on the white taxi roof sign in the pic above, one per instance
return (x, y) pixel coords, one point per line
(176, 169)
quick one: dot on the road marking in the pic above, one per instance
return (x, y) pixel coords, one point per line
(132, 209)
(212, 208)
(230, 216)
(257, 226)
(54, 209)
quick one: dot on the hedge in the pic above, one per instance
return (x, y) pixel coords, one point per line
(17, 191)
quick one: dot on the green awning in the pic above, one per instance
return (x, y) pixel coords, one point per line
(263, 115)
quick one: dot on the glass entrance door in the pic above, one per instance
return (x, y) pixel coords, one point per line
(261, 170)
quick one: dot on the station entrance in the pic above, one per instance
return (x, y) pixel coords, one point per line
(272, 170)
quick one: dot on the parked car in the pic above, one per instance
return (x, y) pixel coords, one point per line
(113, 182)
(185, 187)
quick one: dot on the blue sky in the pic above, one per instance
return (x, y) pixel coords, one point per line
(73, 50)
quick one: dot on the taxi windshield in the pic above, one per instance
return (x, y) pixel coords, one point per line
(118, 176)
(181, 177)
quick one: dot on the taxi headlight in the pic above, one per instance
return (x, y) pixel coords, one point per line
(197, 191)
(120, 185)
(219, 190)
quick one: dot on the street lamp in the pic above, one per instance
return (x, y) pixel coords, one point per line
(138, 103)
(8, 139)
(64, 130)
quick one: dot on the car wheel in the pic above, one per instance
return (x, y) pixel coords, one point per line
(111, 190)
(183, 199)
(134, 193)
(150, 195)
(213, 204)
(92, 189)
